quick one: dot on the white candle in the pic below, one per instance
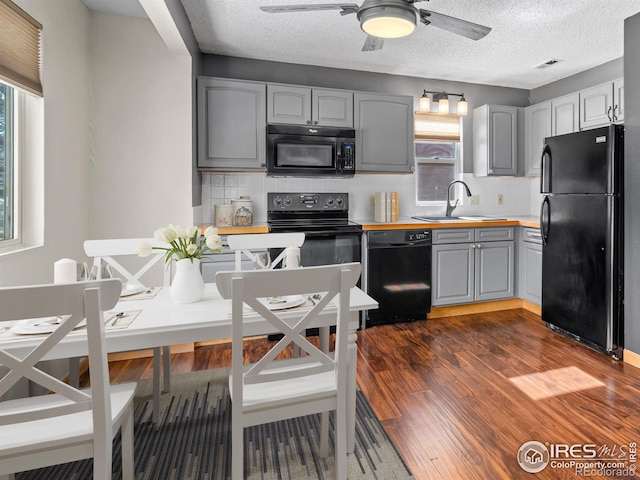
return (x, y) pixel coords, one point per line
(292, 257)
(65, 271)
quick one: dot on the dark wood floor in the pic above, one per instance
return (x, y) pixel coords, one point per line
(442, 390)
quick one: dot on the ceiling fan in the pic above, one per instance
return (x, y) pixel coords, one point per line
(381, 19)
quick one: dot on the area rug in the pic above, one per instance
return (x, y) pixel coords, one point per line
(193, 439)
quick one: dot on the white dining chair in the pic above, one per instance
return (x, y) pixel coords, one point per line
(104, 251)
(68, 424)
(249, 243)
(271, 390)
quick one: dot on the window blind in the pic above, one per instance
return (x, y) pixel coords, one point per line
(20, 48)
(437, 126)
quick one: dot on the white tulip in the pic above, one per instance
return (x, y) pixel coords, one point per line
(192, 248)
(160, 235)
(191, 231)
(180, 232)
(144, 249)
(214, 242)
(170, 234)
(211, 230)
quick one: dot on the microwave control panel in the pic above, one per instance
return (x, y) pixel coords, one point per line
(348, 157)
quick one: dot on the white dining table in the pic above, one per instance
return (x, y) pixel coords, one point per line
(160, 322)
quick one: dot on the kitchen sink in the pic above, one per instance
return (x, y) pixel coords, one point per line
(474, 218)
(441, 219)
(482, 218)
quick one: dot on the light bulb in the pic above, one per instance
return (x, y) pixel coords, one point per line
(425, 104)
(443, 105)
(463, 107)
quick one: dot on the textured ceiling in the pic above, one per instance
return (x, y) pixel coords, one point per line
(525, 33)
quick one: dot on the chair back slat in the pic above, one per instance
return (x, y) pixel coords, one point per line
(244, 244)
(72, 303)
(253, 287)
(104, 251)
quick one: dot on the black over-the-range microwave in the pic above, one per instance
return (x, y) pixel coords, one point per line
(305, 151)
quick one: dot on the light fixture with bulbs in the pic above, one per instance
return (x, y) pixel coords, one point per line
(387, 18)
(442, 98)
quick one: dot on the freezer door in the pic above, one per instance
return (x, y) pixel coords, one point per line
(580, 268)
(583, 162)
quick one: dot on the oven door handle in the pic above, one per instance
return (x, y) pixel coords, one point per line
(324, 233)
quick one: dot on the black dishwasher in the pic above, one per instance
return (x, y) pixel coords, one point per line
(398, 275)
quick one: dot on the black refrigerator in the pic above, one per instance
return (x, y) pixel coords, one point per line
(581, 223)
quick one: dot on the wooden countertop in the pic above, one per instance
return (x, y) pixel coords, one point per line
(403, 223)
(408, 223)
(255, 228)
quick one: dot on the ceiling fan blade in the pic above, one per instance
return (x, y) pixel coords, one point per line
(372, 43)
(345, 7)
(458, 26)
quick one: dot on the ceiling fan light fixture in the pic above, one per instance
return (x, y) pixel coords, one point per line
(392, 21)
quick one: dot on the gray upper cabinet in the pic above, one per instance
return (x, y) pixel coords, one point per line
(495, 140)
(293, 105)
(565, 114)
(384, 133)
(538, 121)
(602, 104)
(618, 100)
(546, 119)
(231, 124)
(332, 108)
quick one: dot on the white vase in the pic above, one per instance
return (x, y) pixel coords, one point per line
(187, 285)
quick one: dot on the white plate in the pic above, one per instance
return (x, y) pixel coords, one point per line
(132, 289)
(289, 301)
(38, 326)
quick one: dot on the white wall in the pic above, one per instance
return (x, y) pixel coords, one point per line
(141, 130)
(64, 167)
(117, 134)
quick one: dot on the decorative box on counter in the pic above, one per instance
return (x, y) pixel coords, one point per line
(386, 207)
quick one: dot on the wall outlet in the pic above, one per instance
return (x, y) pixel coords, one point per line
(500, 199)
(475, 199)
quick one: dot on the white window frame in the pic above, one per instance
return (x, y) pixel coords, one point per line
(28, 192)
(457, 162)
(17, 103)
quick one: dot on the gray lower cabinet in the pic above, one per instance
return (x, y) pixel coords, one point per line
(472, 265)
(384, 133)
(231, 124)
(530, 265)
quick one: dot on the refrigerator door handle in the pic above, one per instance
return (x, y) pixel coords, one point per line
(544, 220)
(545, 165)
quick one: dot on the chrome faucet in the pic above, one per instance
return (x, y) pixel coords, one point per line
(451, 208)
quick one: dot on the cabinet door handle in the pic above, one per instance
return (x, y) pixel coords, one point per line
(478, 245)
(609, 114)
(315, 122)
(615, 117)
(309, 122)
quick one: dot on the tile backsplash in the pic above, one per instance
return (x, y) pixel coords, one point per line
(519, 193)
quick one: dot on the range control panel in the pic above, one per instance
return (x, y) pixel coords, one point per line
(292, 202)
